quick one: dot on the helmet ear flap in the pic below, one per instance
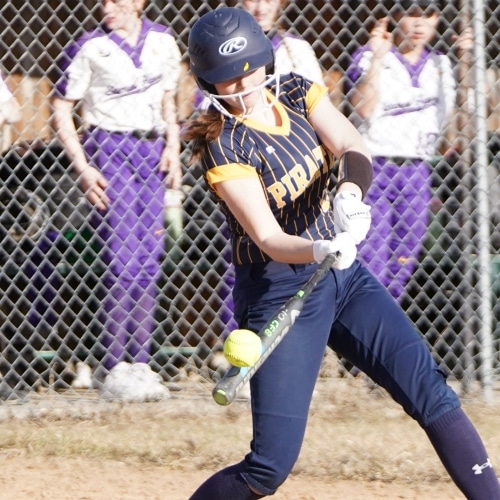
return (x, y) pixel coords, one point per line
(204, 85)
(270, 67)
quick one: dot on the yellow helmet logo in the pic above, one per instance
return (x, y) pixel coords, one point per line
(246, 66)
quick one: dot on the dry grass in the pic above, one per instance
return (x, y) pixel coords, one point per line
(355, 433)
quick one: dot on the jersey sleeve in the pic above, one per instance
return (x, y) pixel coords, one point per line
(74, 72)
(358, 66)
(314, 96)
(227, 159)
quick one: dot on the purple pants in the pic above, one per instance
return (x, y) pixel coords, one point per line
(399, 197)
(131, 231)
(226, 313)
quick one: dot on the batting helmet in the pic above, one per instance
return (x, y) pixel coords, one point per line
(227, 43)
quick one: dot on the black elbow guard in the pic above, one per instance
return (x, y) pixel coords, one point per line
(355, 167)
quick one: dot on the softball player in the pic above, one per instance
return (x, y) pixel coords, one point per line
(403, 93)
(125, 74)
(291, 54)
(266, 146)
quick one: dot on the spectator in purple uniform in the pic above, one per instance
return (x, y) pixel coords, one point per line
(125, 73)
(404, 93)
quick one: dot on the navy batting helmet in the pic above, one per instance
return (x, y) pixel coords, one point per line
(227, 43)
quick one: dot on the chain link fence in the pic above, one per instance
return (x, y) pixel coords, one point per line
(50, 275)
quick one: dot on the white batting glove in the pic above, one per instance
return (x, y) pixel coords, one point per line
(343, 243)
(351, 215)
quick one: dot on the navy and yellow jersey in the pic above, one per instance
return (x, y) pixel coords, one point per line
(291, 163)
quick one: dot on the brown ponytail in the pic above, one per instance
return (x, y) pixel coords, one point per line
(201, 130)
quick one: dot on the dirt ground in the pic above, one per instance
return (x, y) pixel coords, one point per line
(359, 445)
(84, 479)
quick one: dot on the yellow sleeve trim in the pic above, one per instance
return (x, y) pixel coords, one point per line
(229, 172)
(315, 95)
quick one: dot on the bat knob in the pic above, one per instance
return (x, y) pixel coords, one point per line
(222, 397)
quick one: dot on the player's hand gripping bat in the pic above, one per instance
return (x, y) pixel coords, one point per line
(271, 334)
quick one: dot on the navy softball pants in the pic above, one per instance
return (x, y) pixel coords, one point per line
(353, 314)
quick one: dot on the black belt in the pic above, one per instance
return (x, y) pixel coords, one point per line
(143, 135)
(397, 160)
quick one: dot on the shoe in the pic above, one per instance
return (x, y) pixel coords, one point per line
(83, 379)
(134, 383)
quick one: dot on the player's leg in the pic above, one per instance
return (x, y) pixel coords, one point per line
(227, 309)
(227, 484)
(374, 334)
(282, 388)
(132, 235)
(143, 294)
(147, 245)
(375, 250)
(411, 205)
(111, 229)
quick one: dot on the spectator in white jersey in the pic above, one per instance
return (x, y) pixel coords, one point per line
(292, 53)
(125, 73)
(403, 92)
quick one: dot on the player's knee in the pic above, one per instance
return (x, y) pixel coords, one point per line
(437, 398)
(267, 480)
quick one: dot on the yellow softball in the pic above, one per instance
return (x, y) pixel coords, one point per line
(242, 348)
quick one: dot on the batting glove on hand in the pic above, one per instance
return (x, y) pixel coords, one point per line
(351, 215)
(343, 243)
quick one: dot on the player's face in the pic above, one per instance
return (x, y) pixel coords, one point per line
(264, 11)
(418, 27)
(119, 13)
(244, 94)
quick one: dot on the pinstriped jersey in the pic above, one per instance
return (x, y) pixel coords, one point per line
(292, 165)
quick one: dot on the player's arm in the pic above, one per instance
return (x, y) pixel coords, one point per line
(366, 92)
(340, 136)
(355, 174)
(258, 220)
(170, 161)
(92, 182)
